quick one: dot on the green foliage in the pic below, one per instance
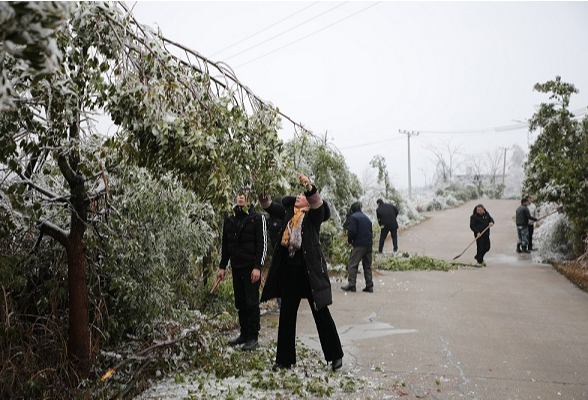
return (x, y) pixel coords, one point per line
(150, 266)
(327, 169)
(334, 243)
(144, 240)
(379, 163)
(407, 262)
(556, 169)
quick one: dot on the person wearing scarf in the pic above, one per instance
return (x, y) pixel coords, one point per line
(298, 270)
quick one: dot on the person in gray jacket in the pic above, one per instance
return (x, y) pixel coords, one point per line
(360, 236)
(522, 218)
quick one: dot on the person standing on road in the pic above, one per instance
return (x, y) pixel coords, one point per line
(533, 212)
(244, 244)
(480, 223)
(386, 214)
(522, 218)
(274, 229)
(360, 236)
(299, 270)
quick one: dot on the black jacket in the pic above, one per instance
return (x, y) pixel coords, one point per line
(386, 214)
(314, 258)
(523, 215)
(359, 230)
(244, 240)
(480, 222)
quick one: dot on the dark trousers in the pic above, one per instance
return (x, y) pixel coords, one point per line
(384, 233)
(247, 302)
(363, 255)
(531, 229)
(483, 246)
(295, 286)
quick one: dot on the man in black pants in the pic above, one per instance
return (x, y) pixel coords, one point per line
(244, 244)
(386, 214)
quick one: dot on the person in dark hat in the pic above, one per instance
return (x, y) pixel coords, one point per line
(360, 236)
(299, 270)
(244, 245)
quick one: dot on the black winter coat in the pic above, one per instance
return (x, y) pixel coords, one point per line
(314, 258)
(244, 240)
(480, 222)
(386, 214)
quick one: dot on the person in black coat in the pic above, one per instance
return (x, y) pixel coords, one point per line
(244, 244)
(360, 236)
(479, 221)
(299, 270)
(386, 214)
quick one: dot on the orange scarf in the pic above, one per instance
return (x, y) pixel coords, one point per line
(292, 237)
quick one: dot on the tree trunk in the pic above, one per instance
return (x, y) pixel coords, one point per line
(79, 330)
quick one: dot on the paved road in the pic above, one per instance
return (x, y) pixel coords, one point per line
(513, 330)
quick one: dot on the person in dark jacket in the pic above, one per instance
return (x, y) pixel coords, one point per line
(479, 222)
(244, 244)
(522, 218)
(299, 270)
(533, 212)
(274, 228)
(386, 214)
(359, 235)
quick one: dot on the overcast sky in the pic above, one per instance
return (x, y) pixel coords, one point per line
(362, 71)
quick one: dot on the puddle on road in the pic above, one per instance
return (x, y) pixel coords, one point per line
(354, 333)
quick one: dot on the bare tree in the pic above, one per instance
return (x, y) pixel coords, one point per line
(446, 159)
(493, 160)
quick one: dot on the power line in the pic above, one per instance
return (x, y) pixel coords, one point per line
(310, 34)
(284, 32)
(368, 144)
(265, 29)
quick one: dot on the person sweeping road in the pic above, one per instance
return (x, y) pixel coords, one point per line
(480, 222)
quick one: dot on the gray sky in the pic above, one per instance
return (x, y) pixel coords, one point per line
(362, 71)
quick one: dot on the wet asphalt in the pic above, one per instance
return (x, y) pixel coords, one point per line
(515, 329)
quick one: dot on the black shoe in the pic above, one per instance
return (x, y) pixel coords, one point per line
(369, 289)
(250, 345)
(519, 248)
(278, 366)
(348, 288)
(525, 250)
(336, 364)
(237, 340)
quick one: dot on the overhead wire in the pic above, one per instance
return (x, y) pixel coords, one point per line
(306, 36)
(264, 29)
(499, 129)
(284, 32)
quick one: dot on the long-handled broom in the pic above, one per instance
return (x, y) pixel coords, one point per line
(473, 241)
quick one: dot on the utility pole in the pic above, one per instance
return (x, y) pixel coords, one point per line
(408, 135)
(504, 165)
